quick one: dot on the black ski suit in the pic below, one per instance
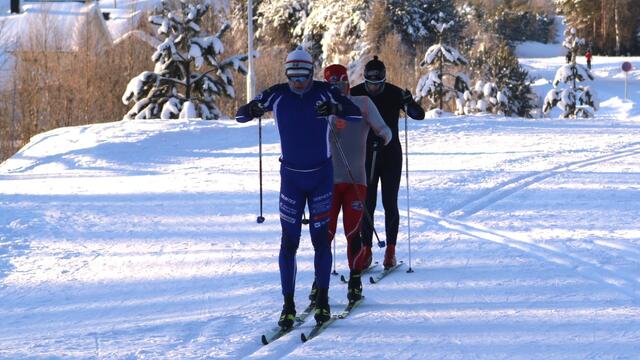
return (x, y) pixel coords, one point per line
(388, 159)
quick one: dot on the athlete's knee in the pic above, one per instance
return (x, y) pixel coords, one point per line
(289, 243)
(355, 243)
(320, 238)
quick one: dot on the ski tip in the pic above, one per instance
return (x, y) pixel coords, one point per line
(303, 337)
(264, 340)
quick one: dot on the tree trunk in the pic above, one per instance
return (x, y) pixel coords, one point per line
(616, 18)
(441, 81)
(187, 81)
(15, 6)
(603, 25)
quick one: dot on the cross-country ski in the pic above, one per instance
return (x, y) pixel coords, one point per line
(374, 279)
(319, 328)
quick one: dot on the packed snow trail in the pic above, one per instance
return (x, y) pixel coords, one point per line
(138, 240)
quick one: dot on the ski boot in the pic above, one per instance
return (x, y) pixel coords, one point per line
(390, 256)
(355, 287)
(323, 312)
(288, 314)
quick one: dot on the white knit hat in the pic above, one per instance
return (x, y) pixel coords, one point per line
(299, 62)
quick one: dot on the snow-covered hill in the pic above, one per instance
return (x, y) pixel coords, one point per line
(138, 240)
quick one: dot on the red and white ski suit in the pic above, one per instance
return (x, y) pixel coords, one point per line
(350, 179)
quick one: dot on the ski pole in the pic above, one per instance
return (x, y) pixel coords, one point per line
(373, 160)
(353, 182)
(334, 257)
(406, 149)
(260, 218)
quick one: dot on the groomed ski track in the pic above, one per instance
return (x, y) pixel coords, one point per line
(137, 240)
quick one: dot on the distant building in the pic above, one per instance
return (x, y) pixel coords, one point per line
(60, 26)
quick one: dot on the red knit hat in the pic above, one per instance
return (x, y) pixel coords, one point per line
(335, 72)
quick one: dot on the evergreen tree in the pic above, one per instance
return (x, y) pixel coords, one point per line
(505, 86)
(279, 21)
(337, 29)
(574, 100)
(333, 31)
(412, 19)
(432, 84)
(179, 86)
(608, 25)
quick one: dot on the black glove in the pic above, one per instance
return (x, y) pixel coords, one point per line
(328, 108)
(255, 109)
(407, 98)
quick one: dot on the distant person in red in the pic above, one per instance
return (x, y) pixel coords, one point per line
(587, 55)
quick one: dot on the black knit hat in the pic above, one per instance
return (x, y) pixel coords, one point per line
(375, 71)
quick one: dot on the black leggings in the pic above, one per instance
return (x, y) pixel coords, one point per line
(388, 170)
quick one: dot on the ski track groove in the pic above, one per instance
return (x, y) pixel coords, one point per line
(619, 250)
(491, 196)
(451, 220)
(627, 285)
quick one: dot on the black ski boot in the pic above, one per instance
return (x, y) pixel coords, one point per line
(288, 314)
(323, 312)
(314, 292)
(355, 286)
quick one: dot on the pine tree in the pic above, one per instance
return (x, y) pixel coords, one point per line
(412, 20)
(179, 86)
(432, 84)
(280, 21)
(505, 86)
(608, 25)
(336, 31)
(574, 100)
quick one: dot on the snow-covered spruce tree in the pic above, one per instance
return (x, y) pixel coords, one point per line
(188, 78)
(432, 85)
(412, 20)
(279, 21)
(336, 31)
(575, 100)
(333, 31)
(504, 86)
(485, 97)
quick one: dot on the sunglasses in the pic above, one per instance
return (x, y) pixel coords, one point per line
(298, 78)
(340, 84)
(374, 76)
(374, 82)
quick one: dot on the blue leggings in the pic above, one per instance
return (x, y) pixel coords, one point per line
(296, 189)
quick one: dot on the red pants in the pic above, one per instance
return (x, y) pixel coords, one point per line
(345, 197)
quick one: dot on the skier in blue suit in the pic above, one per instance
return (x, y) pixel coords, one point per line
(301, 108)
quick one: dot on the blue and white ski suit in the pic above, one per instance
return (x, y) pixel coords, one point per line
(306, 171)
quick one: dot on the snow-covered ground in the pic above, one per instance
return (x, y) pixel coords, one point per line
(138, 240)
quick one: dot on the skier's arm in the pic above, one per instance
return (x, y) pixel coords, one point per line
(374, 119)
(256, 107)
(347, 109)
(413, 109)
